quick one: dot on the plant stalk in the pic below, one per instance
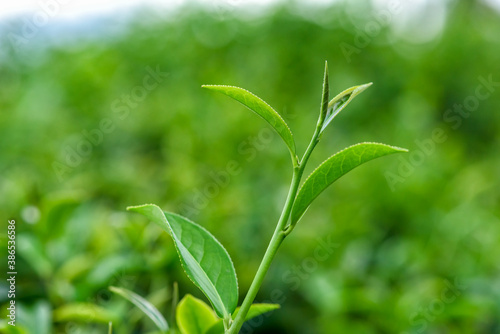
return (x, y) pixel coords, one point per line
(314, 141)
(279, 235)
(274, 244)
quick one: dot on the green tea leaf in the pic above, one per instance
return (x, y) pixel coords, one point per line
(149, 309)
(194, 316)
(255, 311)
(258, 309)
(85, 312)
(339, 102)
(325, 96)
(203, 258)
(333, 168)
(261, 108)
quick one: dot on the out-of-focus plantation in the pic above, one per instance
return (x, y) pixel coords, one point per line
(107, 113)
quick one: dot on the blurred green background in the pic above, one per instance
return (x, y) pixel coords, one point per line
(414, 239)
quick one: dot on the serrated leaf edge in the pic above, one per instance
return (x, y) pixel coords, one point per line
(277, 113)
(400, 149)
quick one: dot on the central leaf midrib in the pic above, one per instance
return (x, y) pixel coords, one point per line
(209, 280)
(179, 244)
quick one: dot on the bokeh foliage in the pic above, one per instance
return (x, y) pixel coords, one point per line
(397, 246)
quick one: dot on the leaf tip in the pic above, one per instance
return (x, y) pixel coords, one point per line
(138, 207)
(213, 86)
(395, 148)
(114, 289)
(361, 88)
(134, 207)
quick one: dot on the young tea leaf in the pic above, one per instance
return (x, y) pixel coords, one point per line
(84, 312)
(339, 102)
(194, 316)
(261, 108)
(255, 311)
(333, 168)
(145, 306)
(325, 96)
(203, 258)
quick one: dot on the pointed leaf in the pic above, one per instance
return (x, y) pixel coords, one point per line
(203, 258)
(339, 102)
(325, 96)
(261, 108)
(145, 306)
(194, 316)
(333, 168)
(255, 311)
(258, 309)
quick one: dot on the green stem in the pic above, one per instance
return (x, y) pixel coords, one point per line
(279, 235)
(274, 244)
(314, 141)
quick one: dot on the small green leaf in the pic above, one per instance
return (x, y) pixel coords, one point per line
(85, 312)
(261, 108)
(258, 309)
(333, 168)
(203, 258)
(145, 306)
(325, 96)
(339, 102)
(194, 316)
(255, 311)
